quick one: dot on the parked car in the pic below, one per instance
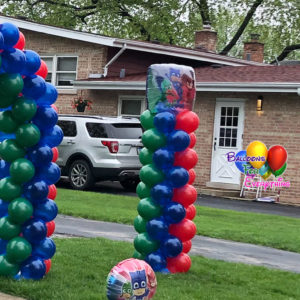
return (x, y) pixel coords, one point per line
(98, 148)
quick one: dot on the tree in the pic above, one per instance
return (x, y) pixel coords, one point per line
(174, 21)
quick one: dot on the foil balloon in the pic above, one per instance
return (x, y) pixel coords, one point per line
(257, 154)
(277, 157)
(131, 279)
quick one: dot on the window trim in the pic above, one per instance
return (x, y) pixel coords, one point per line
(131, 97)
(54, 71)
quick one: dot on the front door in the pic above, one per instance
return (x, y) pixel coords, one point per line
(228, 133)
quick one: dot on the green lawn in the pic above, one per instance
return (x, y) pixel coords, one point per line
(80, 268)
(269, 230)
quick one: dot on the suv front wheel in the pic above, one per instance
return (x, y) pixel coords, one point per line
(80, 175)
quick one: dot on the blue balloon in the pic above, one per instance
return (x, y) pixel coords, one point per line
(45, 249)
(174, 212)
(45, 117)
(165, 122)
(157, 261)
(33, 268)
(52, 137)
(4, 168)
(33, 63)
(50, 173)
(163, 158)
(13, 60)
(40, 155)
(178, 177)
(34, 86)
(10, 34)
(162, 193)
(49, 97)
(3, 208)
(46, 210)
(178, 140)
(1, 41)
(34, 231)
(157, 228)
(241, 157)
(171, 246)
(3, 244)
(35, 190)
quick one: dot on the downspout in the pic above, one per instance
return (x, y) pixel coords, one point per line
(105, 69)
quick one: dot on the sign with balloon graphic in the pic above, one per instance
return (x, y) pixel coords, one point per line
(164, 224)
(29, 137)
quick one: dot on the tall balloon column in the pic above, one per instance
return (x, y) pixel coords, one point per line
(166, 209)
(27, 169)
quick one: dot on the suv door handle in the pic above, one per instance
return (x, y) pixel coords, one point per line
(71, 142)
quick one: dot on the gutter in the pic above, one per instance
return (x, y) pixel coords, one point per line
(114, 59)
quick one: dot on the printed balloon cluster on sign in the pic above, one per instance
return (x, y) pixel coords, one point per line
(29, 137)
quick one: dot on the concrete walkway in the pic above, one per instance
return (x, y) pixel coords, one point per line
(205, 246)
(9, 297)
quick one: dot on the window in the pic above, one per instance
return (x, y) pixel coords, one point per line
(68, 128)
(131, 105)
(96, 130)
(62, 70)
(126, 131)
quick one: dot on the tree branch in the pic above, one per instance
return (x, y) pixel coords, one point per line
(243, 26)
(286, 51)
(64, 5)
(204, 11)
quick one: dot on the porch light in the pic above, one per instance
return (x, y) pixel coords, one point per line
(259, 103)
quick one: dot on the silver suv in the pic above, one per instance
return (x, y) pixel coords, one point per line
(98, 148)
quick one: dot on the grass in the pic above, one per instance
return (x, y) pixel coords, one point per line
(268, 230)
(80, 267)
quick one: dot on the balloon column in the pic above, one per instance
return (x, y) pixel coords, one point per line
(166, 209)
(27, 169)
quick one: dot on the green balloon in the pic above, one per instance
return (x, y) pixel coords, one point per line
(23, 109)
(11, 85)
(153, 139)
(17, 250)
(138, 255)
(140, 224)
(279, 171)
(6, 268)
(7, 123)
(150, 175)
(144, 244)
(147, 119)
(146, 156)
(28, 135)
(8, 230)
(143, 190)
(20, 210)
(9, 190)
(149, 209)
(10, 150)
(6, 101)
(21, 170)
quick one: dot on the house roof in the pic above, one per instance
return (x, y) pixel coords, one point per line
(162, 49)
(226, 78)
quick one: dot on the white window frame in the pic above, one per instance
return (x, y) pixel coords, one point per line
(55, 72)
(133, 97)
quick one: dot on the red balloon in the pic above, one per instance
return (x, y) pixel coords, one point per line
(185, 195)
(186, 246)
(184, 230)
(52, 192)
(21, 42)
(191, 212)
(193, 140)
(43, 70)
(54, 107)
(186, 159)
(277, 157)
(181, 263)
(55, 154)
(50, 228)
(187, 121)
(48, 265)
(192, 176)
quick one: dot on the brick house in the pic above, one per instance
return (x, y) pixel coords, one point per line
(111, 72)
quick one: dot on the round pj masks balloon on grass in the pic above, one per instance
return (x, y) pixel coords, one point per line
(131, 279)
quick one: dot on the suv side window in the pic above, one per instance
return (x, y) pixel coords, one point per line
(96, 130)
(68, 127)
